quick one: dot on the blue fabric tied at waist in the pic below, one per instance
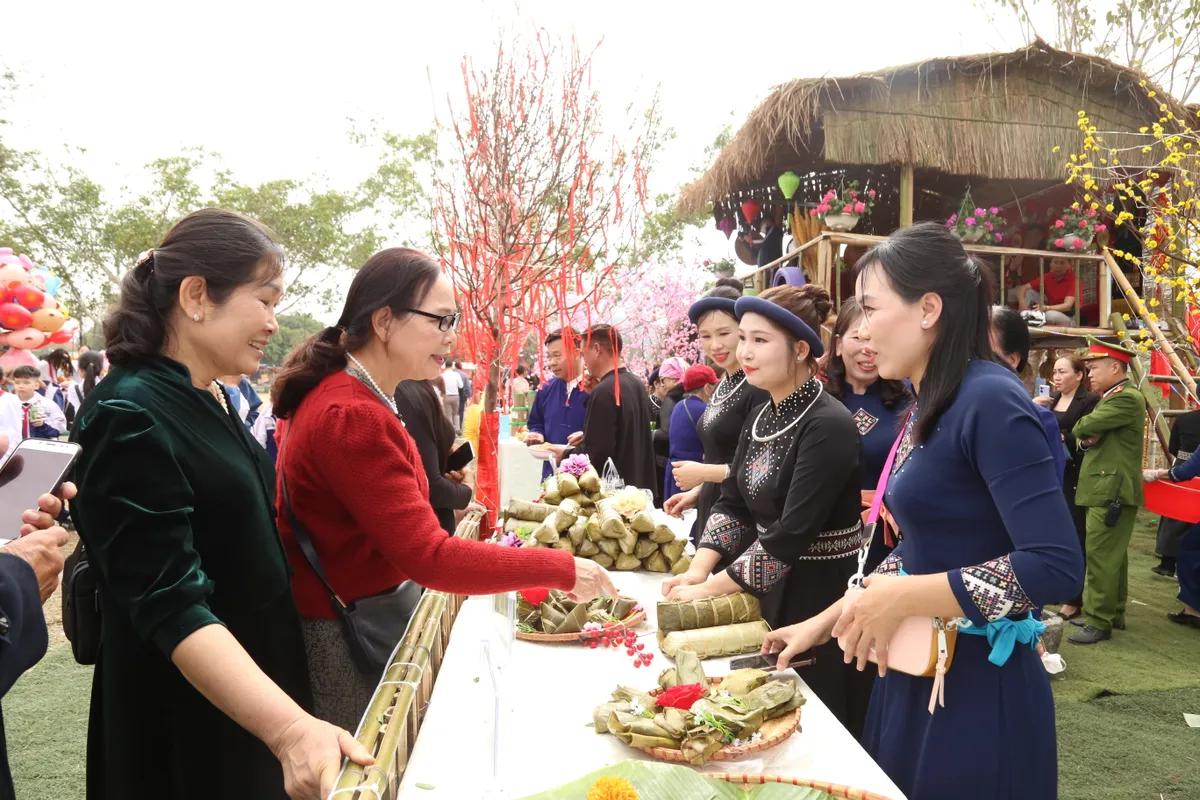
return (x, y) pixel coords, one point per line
(1004, 633)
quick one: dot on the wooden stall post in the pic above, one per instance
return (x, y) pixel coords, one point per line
(906, 195)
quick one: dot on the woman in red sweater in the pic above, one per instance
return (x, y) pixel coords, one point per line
(356, 480)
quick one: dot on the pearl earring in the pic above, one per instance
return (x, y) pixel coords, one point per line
(195, 317)
(924, 323)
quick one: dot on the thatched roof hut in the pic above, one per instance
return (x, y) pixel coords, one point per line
(989, 122)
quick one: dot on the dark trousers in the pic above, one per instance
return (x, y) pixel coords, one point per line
(1187, 568)
(1170, 536)
(1079, 517)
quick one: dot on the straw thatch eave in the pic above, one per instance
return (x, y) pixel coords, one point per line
(996, 116)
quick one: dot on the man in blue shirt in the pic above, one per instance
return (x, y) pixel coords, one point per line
(560, 406)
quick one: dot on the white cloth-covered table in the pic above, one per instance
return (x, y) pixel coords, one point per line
(548, 694)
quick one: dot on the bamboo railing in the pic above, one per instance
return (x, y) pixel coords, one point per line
(828, 273)
(393, 719)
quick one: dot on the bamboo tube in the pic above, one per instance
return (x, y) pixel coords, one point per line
(1065, 331)
(1163, 343)
(1153, 398)
(411, 698)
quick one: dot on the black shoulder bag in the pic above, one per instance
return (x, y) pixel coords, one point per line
(372, 626)
(81, 607)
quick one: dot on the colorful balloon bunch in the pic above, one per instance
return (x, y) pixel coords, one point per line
(30, 316)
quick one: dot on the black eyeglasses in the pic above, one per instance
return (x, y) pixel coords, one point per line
(445, 322)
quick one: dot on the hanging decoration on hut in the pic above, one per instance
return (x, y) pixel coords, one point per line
(840, 209)
(726, 225)
(789, 182)
(750, 209)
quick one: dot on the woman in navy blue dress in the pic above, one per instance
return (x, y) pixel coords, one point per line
(987, 537)
(698, 383)
(876, 404)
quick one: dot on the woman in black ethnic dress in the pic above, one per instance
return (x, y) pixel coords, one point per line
(788, 521)
(721, 424)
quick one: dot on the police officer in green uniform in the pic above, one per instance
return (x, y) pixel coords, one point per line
(1110, 487)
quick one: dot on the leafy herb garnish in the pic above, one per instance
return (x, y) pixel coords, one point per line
(708, 719)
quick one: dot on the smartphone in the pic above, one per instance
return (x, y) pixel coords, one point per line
(460, 458)
(768, 662)
(1044, 390)
(35, 468)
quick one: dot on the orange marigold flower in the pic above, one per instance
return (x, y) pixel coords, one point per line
(612, 789)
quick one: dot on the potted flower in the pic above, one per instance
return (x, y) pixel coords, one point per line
(841, 210)
(722, 268)
(974, 224)
(1076, 228)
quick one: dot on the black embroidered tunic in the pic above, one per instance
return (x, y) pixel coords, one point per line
(790, 520)
(720, 431)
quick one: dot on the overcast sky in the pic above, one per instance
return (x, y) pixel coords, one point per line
(271, 85)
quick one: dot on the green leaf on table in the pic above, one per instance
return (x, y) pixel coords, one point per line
(424, 786)
(657, 780)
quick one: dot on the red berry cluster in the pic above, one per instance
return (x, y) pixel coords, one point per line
(615, 637)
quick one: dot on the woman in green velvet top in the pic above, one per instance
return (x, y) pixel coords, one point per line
(201, 689)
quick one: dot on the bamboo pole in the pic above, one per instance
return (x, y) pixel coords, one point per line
(824, 263)
(1065, 331)
(1163, 343)
(1181, 332)
(1154, 407)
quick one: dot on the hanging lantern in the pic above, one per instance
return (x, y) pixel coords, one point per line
(726, 226)
(789, 182)
(750, 209)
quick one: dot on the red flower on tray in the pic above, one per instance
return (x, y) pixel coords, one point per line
(682, 697)
(535, 597)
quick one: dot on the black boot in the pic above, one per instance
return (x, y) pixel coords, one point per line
(1165, 567)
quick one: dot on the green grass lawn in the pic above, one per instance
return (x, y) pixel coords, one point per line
(45, 718)
(1120, 706)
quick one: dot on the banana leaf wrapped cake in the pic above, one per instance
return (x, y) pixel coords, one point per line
(708, 613)
(724, 640)
(702, 719)
(541, 611)
(616, 531)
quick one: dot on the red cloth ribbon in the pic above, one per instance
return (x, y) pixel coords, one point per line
(682, 697)
(535, 597)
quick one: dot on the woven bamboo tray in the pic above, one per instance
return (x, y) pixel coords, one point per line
(773, 732)
(836, 789)
(633, 619)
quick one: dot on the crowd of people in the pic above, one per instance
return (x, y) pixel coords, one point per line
(255, 559)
